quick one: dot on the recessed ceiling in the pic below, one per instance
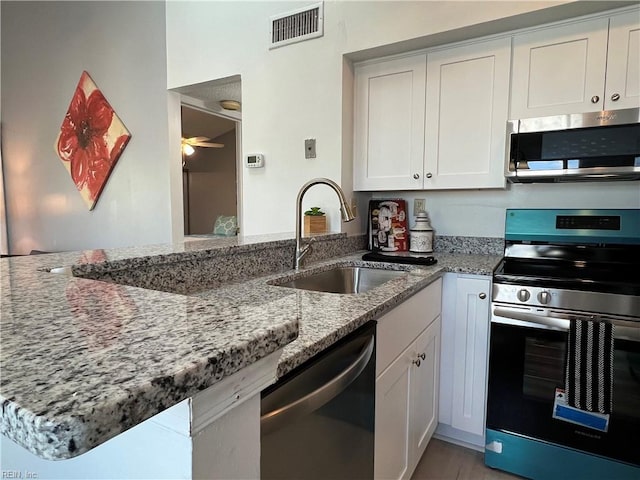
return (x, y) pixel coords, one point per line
(213, 92)
(196, 123)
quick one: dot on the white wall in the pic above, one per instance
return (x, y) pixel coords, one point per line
(482, 212)
(302, 91)
(45, 48)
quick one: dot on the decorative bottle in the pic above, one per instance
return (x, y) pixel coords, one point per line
(421, 239)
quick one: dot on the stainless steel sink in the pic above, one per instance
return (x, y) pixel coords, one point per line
(343, 280)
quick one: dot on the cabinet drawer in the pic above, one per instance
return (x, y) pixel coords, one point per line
(399, 327)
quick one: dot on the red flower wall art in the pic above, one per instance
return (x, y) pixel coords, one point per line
(91, 140)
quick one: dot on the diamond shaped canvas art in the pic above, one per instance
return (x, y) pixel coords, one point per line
(91, 140)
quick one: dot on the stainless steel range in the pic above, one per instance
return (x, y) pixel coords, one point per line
(564, 366)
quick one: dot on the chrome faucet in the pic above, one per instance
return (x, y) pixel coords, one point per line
(347, 215)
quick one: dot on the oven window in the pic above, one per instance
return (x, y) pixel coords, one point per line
(526, 365)
(544, 364)
(626, 383)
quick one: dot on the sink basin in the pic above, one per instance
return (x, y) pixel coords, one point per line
(344, 280)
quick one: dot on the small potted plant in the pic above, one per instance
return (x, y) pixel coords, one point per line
(314, 221)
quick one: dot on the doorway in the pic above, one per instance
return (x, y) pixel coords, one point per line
(209, 170)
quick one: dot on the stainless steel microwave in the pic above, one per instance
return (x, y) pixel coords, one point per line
(588, 146)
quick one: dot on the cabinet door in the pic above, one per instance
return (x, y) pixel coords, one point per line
(391, 454)
(447, 355)
(389, 124)
(399, 328)
(559, 70)
(623, 62)
(471, 340)
(467, 106)
(424, 389)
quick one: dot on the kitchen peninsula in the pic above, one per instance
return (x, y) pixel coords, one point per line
(84, 360)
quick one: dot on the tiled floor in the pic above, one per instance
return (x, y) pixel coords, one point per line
(445, 461)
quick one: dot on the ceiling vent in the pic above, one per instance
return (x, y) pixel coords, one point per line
(297, 25)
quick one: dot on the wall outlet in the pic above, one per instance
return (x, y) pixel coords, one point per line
(419, 205)
(310, 148)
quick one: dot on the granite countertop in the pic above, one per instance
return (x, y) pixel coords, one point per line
(84, 360)
(325, 318)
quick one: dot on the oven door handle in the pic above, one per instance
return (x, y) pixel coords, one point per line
(555, 322)
(624, 329)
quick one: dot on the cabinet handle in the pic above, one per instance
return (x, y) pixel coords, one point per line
(615, 97)
(418, 361)
(482, 296)
(595, 99)
(416, 176)
(429, 175)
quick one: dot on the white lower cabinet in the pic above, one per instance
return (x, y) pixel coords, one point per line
(407, 374)
(393, 390)
(424, 390)
(463, 368)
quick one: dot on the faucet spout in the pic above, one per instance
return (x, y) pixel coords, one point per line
(347, 215)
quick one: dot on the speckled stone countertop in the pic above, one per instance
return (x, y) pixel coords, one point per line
(84, 360)
(327, 317)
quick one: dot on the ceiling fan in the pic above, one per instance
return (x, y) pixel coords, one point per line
(188, 144)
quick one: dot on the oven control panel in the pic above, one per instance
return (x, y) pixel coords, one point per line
(524, 295)
(541, 299)
(573, 226)
(543, 296)
(597, 222)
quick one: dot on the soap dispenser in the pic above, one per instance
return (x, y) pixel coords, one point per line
(421, 239)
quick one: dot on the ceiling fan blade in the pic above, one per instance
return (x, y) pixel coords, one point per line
(206, 144)
(198, 139)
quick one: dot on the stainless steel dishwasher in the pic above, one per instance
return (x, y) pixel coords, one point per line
(318, 420)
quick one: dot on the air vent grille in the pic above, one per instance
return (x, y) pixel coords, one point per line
(296, 26)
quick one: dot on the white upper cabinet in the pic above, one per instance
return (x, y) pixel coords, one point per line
(623, 62)
(389, 125)
(577, 67)
(467, 106)
(559, 70)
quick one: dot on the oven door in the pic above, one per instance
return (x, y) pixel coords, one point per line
(527, 359)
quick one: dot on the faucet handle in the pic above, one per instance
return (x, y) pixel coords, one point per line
(303, 251)
(309, 246)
